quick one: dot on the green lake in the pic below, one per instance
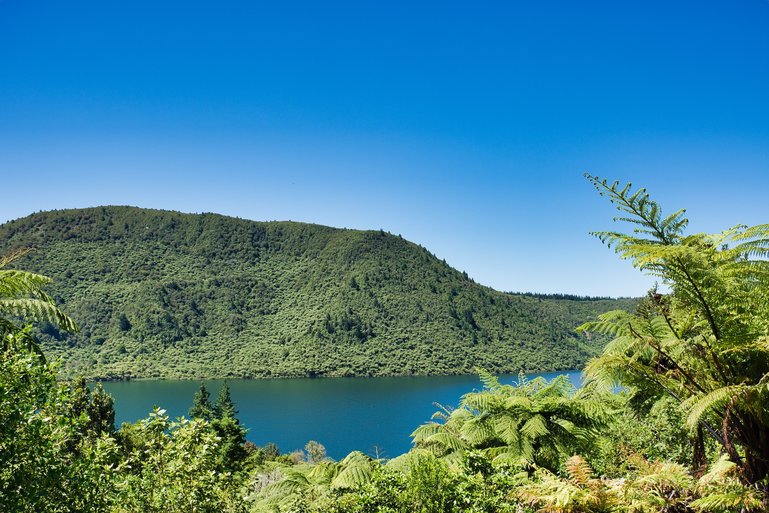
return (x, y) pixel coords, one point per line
(373, 415)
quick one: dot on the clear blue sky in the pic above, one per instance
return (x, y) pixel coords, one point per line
(465, 127)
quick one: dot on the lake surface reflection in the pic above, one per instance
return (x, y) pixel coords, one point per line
(373, 415)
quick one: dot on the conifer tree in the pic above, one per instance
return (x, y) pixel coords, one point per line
(233, 439)
(201, 404)
(224, 407)
(229, 430)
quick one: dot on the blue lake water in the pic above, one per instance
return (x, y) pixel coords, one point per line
(373, 415)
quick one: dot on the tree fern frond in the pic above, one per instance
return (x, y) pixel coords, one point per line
(517, 403)
(490, 382)
(760, 231)
(675, 222)
(38, 310)
(323, 471)
(721, 469)
(448, 441)
(739, 499)
(477, 431)
(534, 427)
(292, 483)
(516, 454)
(356, 470)
(702, 405)
(611, 239)
(480, 401)
(421, 434)
(7, 327)
(15, 283)
(14, 255)
(405, 461)
(506, 428)
(611, 323)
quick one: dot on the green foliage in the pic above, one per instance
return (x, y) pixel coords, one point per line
(45, 464)
(174, 467)
(505, 449)
(706, 343)
(534, 423)
(655, 433)
(164, 294)
(315, 452)
(224, 407)
(722, 492)
(22, 297)
(271, 451)
(581, 491)
(222, 417)
(360, 485)
(97, 408)
(101, 415)
(201, 404)
(232, 439)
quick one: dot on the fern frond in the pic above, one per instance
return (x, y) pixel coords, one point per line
(323, 472)
(510, 455)
(740, 498)
(406, 461)
(448, 441)
(421, 434)
(480, 401)
(14, 283)
(506, 428)
(490, 382)
(37, 310)
(14, 255)
(718, 471)
(700, 406)
(579, 470)
(675, 222)
(534, 427)
(356, 470)
(477, 431)
(611, 323)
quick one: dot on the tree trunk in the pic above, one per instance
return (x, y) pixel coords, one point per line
(699, 458)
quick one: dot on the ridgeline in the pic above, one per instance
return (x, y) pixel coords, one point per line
(172, 295)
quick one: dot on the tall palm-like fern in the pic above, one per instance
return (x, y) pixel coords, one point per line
(706, 342)
(536, 422)
(22, 300)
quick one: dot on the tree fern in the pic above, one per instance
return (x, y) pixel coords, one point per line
(354, 470)
(536, 422)
(704, 342)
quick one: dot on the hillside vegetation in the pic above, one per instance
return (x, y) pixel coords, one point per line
(166, 294)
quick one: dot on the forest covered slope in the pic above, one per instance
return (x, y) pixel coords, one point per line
(166, 294)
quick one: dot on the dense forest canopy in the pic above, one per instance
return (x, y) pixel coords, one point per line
(165, 294)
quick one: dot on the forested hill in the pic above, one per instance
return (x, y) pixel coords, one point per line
(166, 294)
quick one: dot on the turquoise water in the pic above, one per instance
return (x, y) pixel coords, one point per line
(373, 415)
